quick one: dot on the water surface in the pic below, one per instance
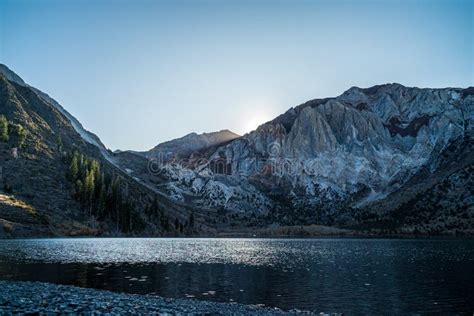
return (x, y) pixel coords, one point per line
(330, 275)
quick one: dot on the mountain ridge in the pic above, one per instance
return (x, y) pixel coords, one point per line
(189, 143)
(42, 196)
(383, 159)
(365, 140)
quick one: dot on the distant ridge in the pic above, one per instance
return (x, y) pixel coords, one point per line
(192, 142)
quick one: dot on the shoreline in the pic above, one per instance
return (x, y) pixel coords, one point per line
(252, 236)
(18, 231)
(48, 298)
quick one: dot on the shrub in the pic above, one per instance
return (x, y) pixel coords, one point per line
(20, 134)
(4, 129)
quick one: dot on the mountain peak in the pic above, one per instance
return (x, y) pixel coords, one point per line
(11, 75)
(223, 133)
(370, 90)
(192, 142)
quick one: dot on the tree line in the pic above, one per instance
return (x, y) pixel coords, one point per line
(104, 195)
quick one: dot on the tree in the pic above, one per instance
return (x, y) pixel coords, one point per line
(74, 168)
(78, 189)
(102, 204)
(20, 134)
(4, 129)
(176, 224)
(89, 185)
(105, 194)
(164, 222)
(95, 168)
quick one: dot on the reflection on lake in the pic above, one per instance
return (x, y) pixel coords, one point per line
(331, 275)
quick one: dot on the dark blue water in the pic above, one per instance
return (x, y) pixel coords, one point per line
(324, 275)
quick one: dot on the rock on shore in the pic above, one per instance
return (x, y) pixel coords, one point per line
(34, 298)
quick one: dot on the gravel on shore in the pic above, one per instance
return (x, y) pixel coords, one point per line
(35, 298)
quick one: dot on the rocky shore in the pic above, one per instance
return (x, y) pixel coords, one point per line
(34, 298)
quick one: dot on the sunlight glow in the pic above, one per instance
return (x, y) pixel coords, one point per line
(254, 119)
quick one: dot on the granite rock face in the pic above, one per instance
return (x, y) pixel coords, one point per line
(394, 132)
(328, 158)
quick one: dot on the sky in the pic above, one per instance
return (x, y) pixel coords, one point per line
(139, 72)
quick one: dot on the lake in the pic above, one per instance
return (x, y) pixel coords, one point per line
(323, 274)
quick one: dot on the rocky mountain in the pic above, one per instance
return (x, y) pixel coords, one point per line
(85, 134)
(186, 145)
(386, 160)
(59, 179)
(369, 158)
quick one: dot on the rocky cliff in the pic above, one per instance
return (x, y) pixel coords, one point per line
(366, 156)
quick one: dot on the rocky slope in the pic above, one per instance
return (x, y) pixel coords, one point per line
(368, 158)
(40, 196)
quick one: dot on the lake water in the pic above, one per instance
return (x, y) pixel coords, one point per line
(323, 275)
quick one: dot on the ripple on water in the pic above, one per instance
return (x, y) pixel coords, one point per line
(288, 254)
(334, 274)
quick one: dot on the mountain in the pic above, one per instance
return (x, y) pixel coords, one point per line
(184, 146)
(86, 135)
(59, 179)
(382, 160)
(389, 158)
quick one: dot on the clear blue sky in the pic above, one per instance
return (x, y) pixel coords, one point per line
(141, 72)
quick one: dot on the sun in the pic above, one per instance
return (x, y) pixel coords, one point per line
(254, 119)
(252, 123)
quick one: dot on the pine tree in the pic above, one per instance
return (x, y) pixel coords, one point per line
(89, 189)
(90, 183)
(176, 224)
(73, 168)
(95, 168)
(153, 209)
(101, 205)
(105, 195)
(116, 199)
(78, 189)
(164, 223)
(80, 164)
